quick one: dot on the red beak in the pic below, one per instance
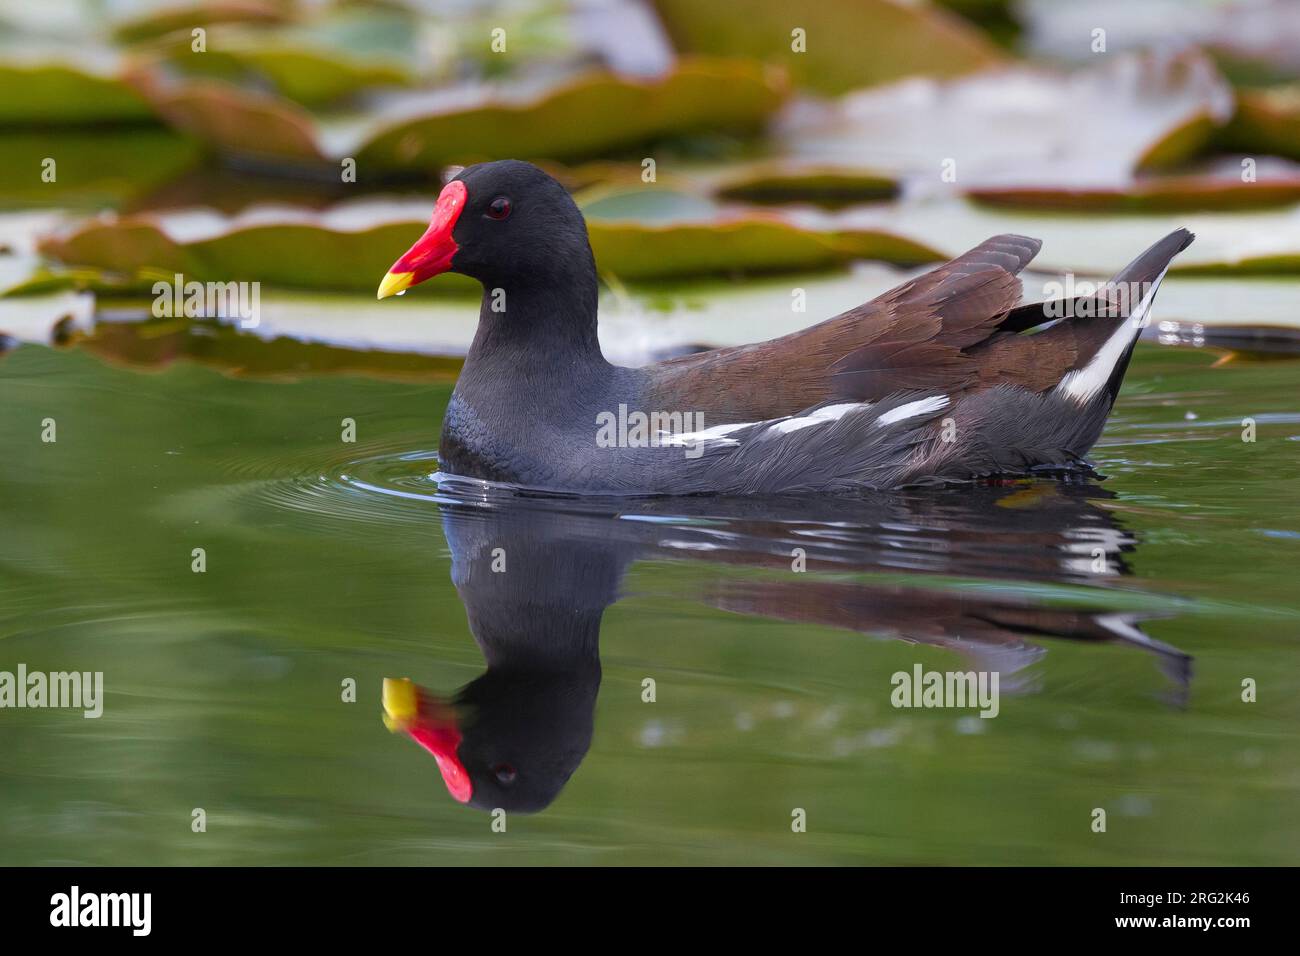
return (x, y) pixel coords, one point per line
(433, 253)
(431, 724)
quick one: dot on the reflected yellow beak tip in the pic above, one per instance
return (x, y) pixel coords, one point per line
(401, 703)
(394, 282)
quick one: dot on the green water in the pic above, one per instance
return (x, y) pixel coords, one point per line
(328, 560)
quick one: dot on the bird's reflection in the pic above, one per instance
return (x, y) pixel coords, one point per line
(536, 575)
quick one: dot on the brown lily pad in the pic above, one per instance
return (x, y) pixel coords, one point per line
(1169, 194)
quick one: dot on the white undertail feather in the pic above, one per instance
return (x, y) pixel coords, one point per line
(920, 407)
(1083, 384)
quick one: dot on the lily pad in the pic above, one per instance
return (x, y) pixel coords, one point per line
(350, 246)
(313, 62)
(57, 92)
(583, 116)
(1166, 194)
(232, 119)
(92, 169)
(421, 337)
(586, 116)
(161, 343)
(848, 43)
(825, 184)
(651, 234)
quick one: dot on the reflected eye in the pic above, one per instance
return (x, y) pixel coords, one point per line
(503, 771)
(499, 208)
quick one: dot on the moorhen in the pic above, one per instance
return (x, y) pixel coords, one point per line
(933, 381)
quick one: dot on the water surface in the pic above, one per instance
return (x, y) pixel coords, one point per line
(1122, 616)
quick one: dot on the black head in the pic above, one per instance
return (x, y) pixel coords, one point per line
(525, 733)
(507, 224)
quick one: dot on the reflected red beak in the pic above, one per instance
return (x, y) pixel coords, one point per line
(433, 253)
(431, 723)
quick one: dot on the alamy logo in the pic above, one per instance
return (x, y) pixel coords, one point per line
(637, 429)
(1102, 300)
(956, 689)
(82, 689)
(75, 908)
(211, 300)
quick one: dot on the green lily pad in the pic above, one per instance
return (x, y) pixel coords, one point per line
(161, 343)
(584, 116)
(60, 93)
(826, 184)
(849, 43)
(91, 168)
(351, 246)
(313, 62)
(656, 233)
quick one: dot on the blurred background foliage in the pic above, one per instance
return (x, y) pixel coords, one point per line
(301, 143)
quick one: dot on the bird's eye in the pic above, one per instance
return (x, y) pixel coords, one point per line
(499, 208)
(504, 773)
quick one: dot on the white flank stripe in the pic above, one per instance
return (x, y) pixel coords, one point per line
(920, 407)
(1083, 385)
(707, 434)
(830, 413)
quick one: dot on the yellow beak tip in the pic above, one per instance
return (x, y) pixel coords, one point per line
(394, 282)
(401, 703)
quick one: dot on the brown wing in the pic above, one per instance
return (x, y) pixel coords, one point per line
(923, 334)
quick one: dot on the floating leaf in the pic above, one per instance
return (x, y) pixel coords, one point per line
(315, 62)
(588, 115)
(1169, 194)
(237, 120)
(849, 43)
(827, 184)
(161, 343)
(583, 117)
(92, 168)
(651, 234)
(55, 92)
(351, 246)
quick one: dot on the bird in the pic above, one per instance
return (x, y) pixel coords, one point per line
(946, 378)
